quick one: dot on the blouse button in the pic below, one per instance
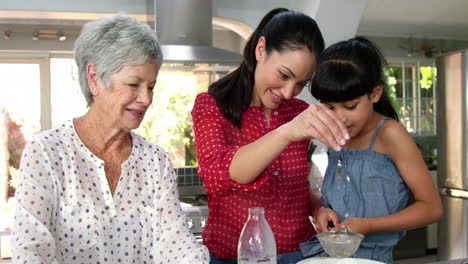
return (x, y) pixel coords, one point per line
(275, 173)
(346, 215)
(275, 112)
(339, 170)
(339, 177)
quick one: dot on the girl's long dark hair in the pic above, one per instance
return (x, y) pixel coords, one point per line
(350, 69)
(283, 30)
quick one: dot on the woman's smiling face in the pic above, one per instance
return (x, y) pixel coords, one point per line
(130, 94)
(280, 76)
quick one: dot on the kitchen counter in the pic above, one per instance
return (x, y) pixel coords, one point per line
(455, 261)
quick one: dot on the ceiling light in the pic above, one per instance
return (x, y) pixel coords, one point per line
(61, 36)
(49, 34)
(35, 35)
(7, 35)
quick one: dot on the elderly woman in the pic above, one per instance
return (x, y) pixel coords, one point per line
(91, 190)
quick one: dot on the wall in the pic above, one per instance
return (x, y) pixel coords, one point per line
(250, 12)
(227, 40)
(21, 38)
(101, 6)
(396, 49)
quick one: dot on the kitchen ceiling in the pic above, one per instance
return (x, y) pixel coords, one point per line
(429, 19)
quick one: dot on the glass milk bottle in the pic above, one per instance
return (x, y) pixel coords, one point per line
(256, 242)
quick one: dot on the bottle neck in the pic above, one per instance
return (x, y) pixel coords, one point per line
(256, 213)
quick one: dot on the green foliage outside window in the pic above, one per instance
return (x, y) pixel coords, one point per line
(391, 82)
(416, 109)
(168, 121)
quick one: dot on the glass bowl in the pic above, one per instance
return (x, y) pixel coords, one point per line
(340, 243)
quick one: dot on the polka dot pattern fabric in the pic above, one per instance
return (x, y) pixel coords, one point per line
(67, 214)
(282, 189)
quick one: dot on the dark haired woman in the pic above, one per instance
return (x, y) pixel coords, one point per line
(252, 137)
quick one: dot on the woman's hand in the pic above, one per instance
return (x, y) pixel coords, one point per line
(326, 219)
(358, 225)
(317, 122)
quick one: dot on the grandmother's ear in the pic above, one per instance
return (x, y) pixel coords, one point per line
(93, 79)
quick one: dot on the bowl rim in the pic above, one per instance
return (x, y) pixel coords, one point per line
(343, 230)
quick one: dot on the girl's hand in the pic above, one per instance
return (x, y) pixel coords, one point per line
(326, 219)
(317, 122)
(358, 225)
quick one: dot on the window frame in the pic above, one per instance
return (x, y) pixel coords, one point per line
(43, 60)
(44, 85)
(416, 99)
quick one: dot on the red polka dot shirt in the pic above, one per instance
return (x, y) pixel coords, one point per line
(282, 188)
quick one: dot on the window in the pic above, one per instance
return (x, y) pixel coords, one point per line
(20, 118)
(38, 93)
(20, 115)
(412, 89)
(168, 121)
(67, 101)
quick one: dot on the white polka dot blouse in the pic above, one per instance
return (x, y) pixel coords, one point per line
(67, 214)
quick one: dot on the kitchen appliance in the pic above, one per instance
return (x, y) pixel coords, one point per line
(196, 209)
(193, 199)
(452, 129)
(184, 28)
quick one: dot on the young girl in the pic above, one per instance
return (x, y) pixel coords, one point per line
(252, 137)
(366, 183)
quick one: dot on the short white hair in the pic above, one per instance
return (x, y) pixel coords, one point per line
(111, 43)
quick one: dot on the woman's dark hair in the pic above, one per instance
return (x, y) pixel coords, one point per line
(350, 69)
(283, 30)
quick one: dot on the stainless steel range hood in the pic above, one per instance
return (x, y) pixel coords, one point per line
(184, 30)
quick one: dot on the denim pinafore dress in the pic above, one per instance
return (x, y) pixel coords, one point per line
(363, 183)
